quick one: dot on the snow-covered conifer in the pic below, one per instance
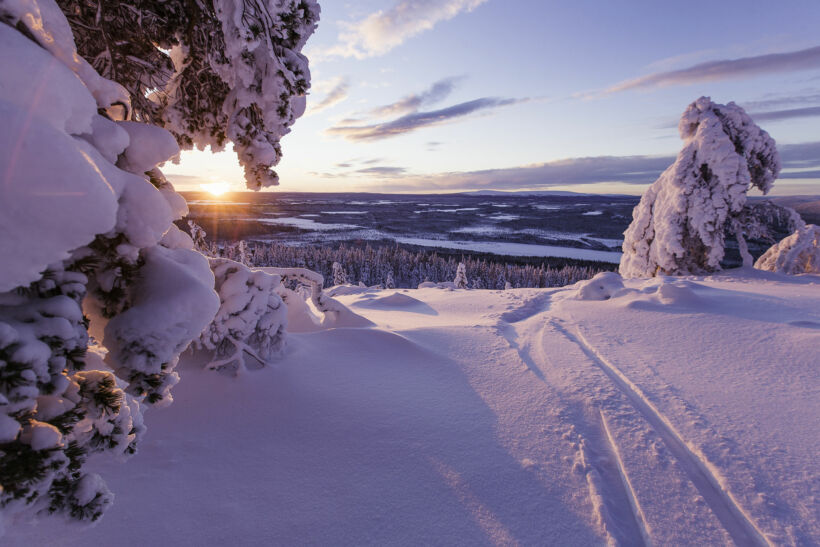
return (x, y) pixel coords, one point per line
(796, 254)
(242, 255)
(389, 282)
(460, 280)
(678, 226)
(89, 224)
(251, 319)
(234, 72)
(339, 276)
(198, 237)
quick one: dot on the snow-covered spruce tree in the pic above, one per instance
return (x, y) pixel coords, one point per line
(796, 254)
(460, 280)
(249, 327)
(234, 72)
(389, 282)
(89, 245)
(339, 276)
(678, 226)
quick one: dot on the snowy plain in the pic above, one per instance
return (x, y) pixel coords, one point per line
(669, 411)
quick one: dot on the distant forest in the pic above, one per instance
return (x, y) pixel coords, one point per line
(372, 265)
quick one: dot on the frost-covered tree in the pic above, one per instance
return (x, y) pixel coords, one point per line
(460, 280)
(389, 282)
(208, 71)
(796, 254)
(250, 324)
(339, 276)
(678, 226)
(88, 219)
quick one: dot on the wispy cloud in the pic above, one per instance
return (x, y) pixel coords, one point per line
(804, 155)
(382, 31)
(382, 171)
(411, 103)
(806, 97)
(805, 59)
(777, 115)
(337, 94)
(417, 120)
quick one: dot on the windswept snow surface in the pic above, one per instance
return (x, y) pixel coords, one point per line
(670, 411)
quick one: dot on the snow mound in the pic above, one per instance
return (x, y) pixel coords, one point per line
(395, 300)
(603, 286)
(344, 290)
(795, 254)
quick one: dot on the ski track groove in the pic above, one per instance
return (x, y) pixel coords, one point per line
(637, 512)
(619, 511)
(739, 526)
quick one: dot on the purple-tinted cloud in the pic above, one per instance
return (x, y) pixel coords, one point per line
(411, 103)
(808, 97)
(805, 59)
(417, 120)
(786, 114)
(382, 170)
(591, 170)
(804, 155)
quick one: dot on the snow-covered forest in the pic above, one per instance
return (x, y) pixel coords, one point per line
(669, 403)
(370, 266)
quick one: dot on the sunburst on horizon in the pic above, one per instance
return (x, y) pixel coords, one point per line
(216, 188)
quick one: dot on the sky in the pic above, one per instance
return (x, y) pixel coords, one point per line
(453, 95)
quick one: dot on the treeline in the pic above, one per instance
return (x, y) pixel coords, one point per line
(373, 265)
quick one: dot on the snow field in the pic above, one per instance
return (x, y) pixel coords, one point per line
(677, 411)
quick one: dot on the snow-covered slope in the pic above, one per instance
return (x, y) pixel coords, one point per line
(674, 411)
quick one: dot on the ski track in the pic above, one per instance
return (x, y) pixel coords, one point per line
(637, 513)
(610, 492)
(739, 526)
(609, 489)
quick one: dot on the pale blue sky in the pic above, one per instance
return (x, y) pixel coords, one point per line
(509, 94)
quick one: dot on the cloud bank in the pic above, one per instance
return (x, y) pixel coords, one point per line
(800, 161)
(382, 31)
(805, 59)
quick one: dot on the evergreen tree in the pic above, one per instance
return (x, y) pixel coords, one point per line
(678, 226)
(233, 71)
(339, 276)
(460, 280)
(104, 257)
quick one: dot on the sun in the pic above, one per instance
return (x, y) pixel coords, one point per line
(216, 188)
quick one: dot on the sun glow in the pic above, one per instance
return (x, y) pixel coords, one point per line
(216, 188)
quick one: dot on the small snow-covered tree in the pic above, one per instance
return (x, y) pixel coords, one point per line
(339, 276)
(678, 226)
(251, 320)
(460, 280)
(796, 254)
(389, 282)
(207, 71)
